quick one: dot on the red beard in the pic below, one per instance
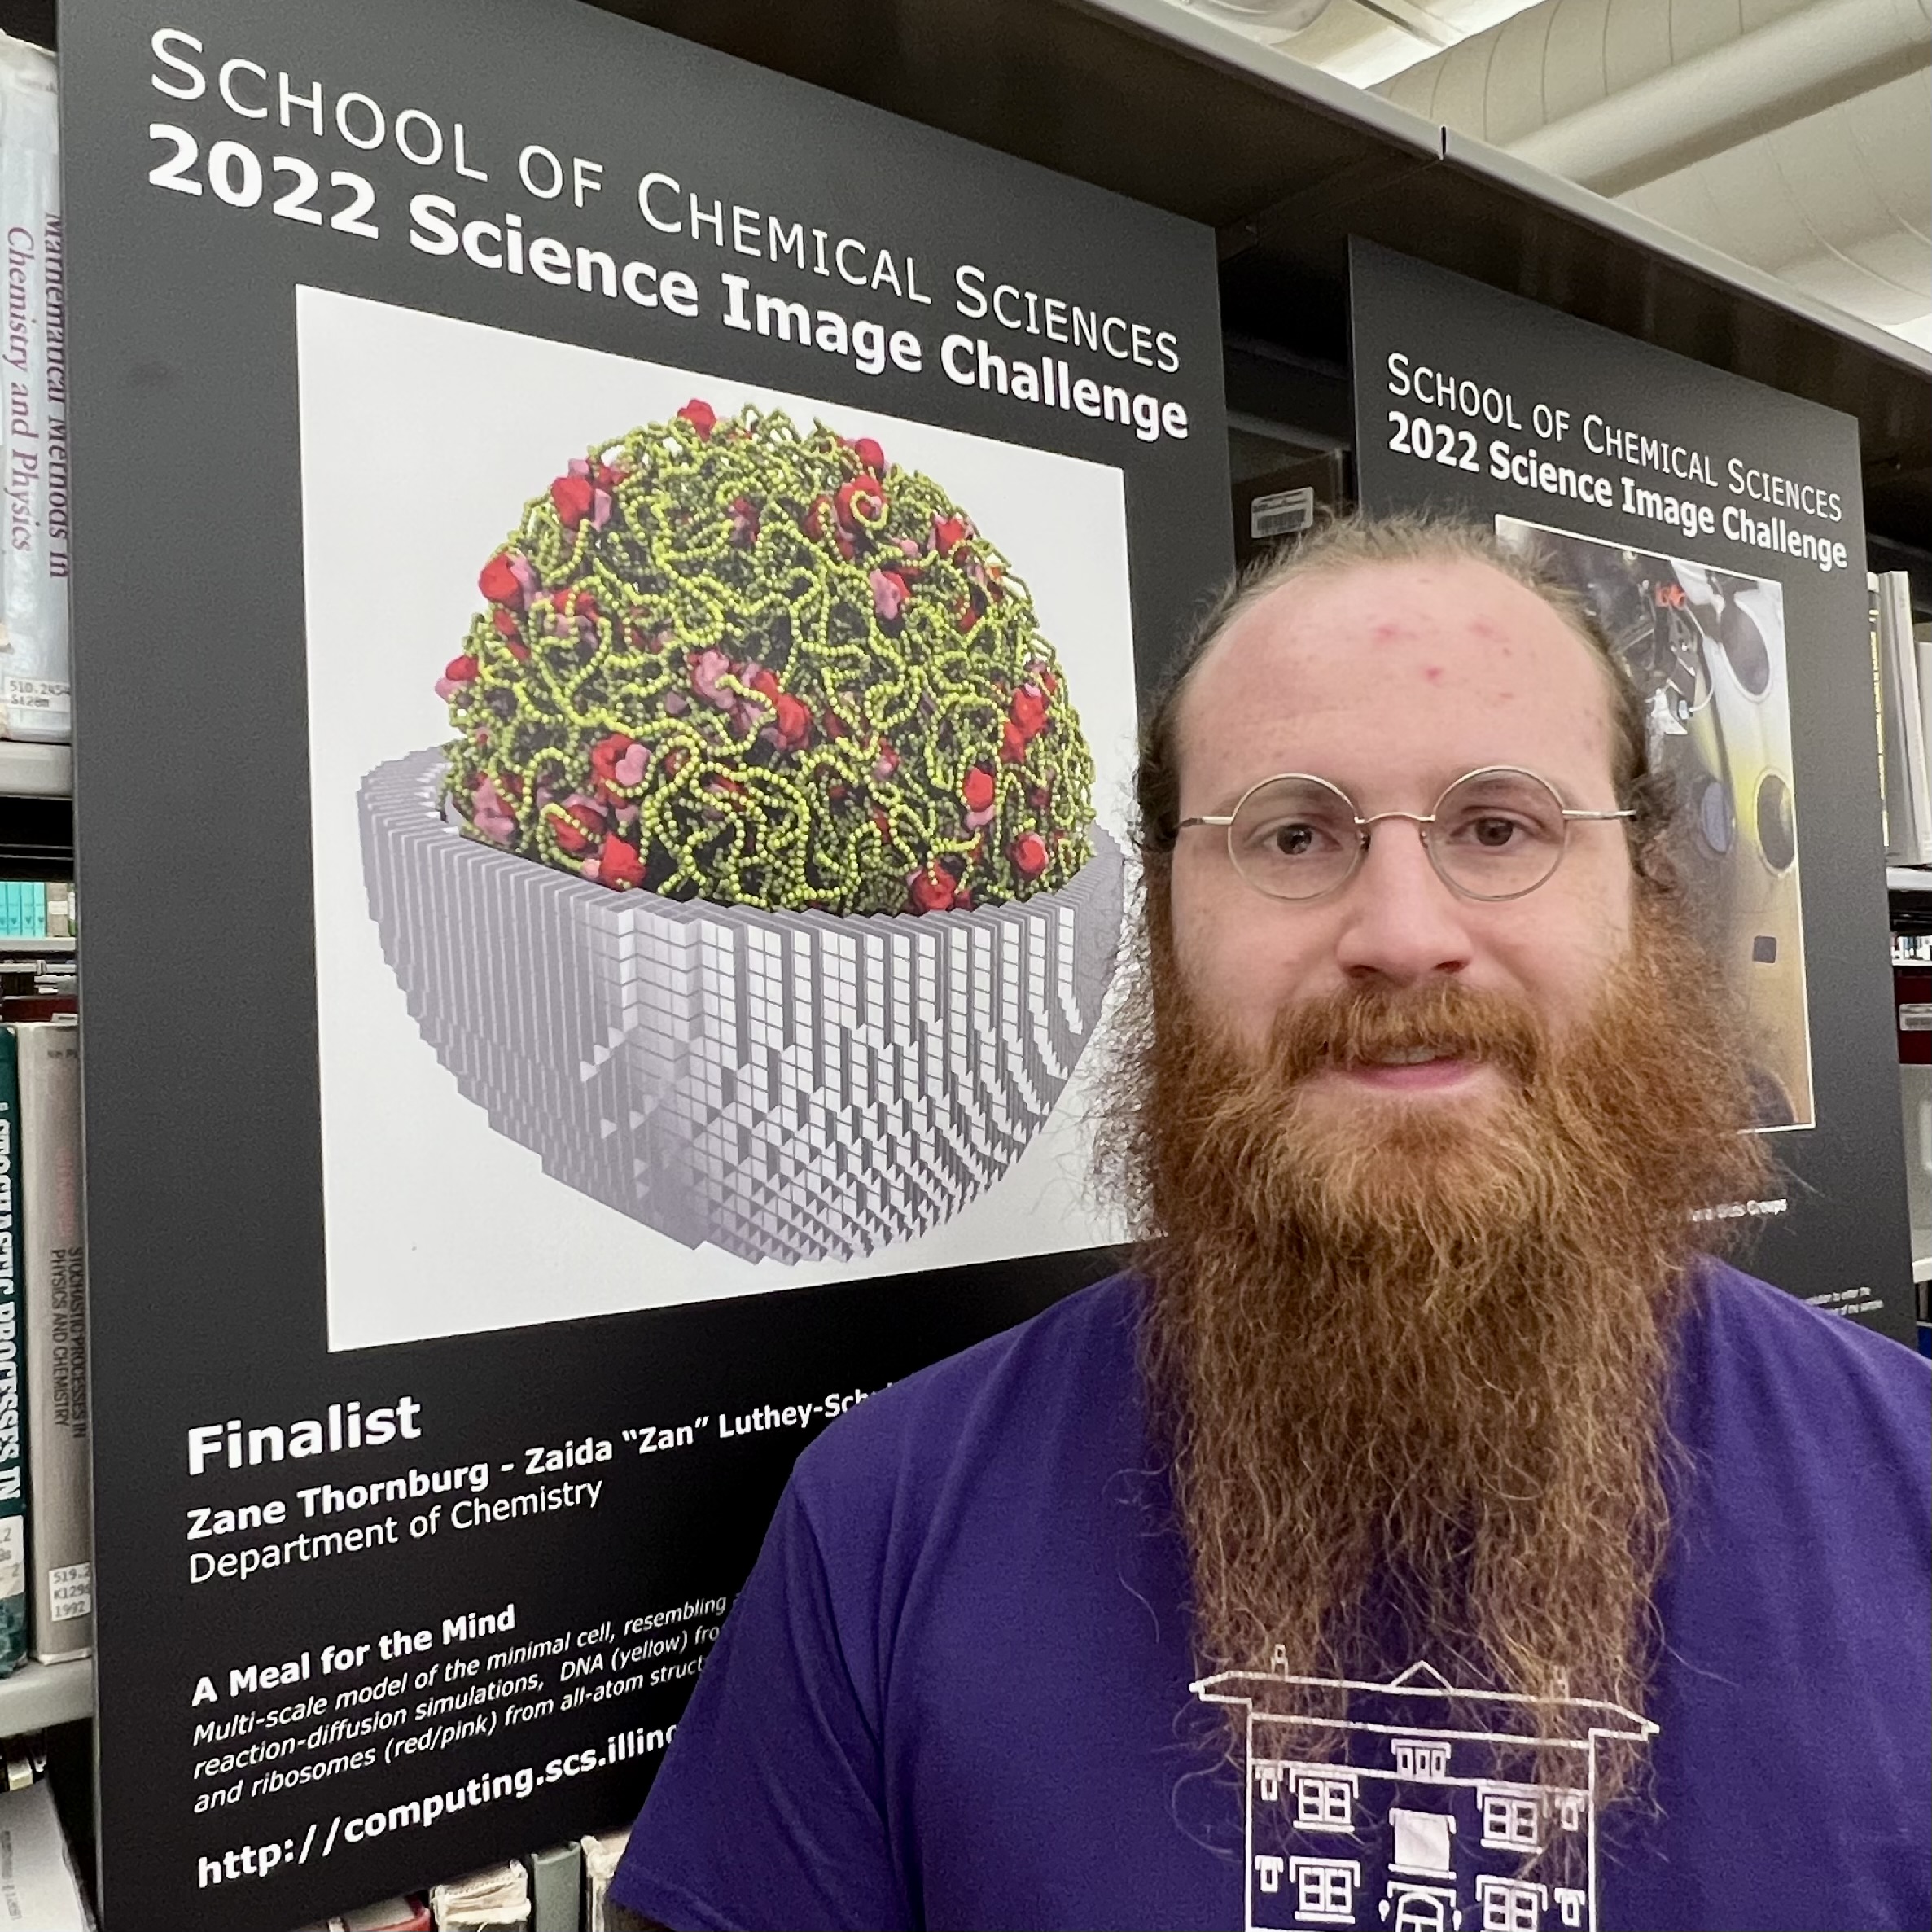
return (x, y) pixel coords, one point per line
(1423, 1348)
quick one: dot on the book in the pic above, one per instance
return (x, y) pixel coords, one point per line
(23, 909)
(13, 1387)
(388, 1915)
(495, 1900)
(34, 687)
(392, 1915)
(600, 1855)
(556, 1889)
(1920, 651)
(48, 1237)
(38, 1885)
(1907, 793)
(1876, 627)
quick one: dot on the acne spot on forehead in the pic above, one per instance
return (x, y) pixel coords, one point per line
(1387, 633)
(1433, 672)
(1483, 627)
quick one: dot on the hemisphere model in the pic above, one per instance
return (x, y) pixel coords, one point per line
(759, 892)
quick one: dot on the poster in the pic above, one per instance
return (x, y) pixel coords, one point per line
(610, 616)
(1713, 528)
(573, 1230)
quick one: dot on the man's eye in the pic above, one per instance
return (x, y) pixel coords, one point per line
(1294, 841)
(1495, 833)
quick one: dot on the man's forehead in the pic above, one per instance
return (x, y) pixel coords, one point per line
(1416, 640)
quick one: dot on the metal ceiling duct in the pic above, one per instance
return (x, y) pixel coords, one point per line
(1794, 67)
(1361, 41)
(1277, 18)
(1839, 203)
(1792, 138)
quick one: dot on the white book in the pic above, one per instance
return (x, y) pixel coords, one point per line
(1907, 793)
(38, 1887)
(1920, 655)
(34, 689)
(495, 1900)
(600, 1855)
(59, 1498)
(1876, 641)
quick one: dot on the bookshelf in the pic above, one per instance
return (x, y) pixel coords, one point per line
(35, 771)
(51, 1704)
(39, 1695)
(37, 781)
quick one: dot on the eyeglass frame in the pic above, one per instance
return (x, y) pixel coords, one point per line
(1421, 820)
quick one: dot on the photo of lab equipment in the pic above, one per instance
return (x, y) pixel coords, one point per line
(1705, 650)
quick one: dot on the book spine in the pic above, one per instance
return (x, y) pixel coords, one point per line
(1909, 800)
(556, 1889)
(602, 1853)
(35, 695)
(1877, 631)
(13, 1386)
(60, 1513)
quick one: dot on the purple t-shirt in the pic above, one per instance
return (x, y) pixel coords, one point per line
(956, 1691)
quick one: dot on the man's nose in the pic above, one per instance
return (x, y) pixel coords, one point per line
(1400, 921)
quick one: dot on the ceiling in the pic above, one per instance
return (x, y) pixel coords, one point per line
(1794, 136)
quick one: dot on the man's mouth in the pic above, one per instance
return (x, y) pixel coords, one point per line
(1420, 1069)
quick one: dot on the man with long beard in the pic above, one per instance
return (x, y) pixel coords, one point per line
(1424, 1534)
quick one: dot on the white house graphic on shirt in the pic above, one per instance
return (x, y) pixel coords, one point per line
(1406, 1824)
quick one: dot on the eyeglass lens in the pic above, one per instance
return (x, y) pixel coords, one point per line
(1495, 835)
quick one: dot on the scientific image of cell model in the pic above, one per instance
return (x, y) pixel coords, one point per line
(760, 891)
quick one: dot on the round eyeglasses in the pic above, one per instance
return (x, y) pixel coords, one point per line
(1494, 834)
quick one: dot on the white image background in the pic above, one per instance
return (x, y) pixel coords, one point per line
(422, 438)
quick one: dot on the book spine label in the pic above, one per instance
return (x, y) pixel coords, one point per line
(13, 1391)
(60, 1520)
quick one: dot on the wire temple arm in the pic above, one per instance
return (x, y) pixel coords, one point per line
(1227, 817)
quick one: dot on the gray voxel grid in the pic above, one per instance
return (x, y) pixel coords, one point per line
(784, 1084)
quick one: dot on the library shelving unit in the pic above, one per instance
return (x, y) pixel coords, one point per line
(36, 810)
(1910, 889)
(38, 1696)
(35, 771)
(53, 1702)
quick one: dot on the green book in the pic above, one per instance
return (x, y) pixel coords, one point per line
(13, 1383)
(556, 1889)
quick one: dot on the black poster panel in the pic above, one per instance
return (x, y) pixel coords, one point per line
(609, 591)
(1716, 529)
